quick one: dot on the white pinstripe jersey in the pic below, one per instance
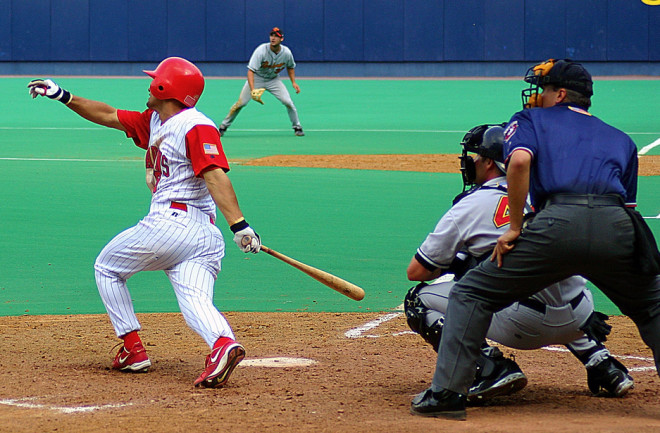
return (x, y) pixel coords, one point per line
(472, 226)
(170, 157)
(267, 64)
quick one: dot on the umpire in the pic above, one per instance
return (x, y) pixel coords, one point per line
(581, 175)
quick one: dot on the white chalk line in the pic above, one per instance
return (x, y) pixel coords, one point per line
(25, 403)
(358, 332)
(423, 131)
(645, 149)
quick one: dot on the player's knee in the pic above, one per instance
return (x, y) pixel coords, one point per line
(418, 316)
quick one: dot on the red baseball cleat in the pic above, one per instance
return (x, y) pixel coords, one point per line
(224, 357)
(134, 360)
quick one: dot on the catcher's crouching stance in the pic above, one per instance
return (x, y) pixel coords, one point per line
(466, 234)
(186, 173)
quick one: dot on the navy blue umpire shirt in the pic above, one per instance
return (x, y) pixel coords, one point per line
(573, 152)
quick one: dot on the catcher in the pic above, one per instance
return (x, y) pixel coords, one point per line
(466, 235)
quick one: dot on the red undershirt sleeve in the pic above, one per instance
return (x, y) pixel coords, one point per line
(205, 150)
(137, 125)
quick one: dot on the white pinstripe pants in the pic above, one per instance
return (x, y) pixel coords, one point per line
(187, 248)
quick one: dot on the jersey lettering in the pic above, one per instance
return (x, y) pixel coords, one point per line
(502, 216)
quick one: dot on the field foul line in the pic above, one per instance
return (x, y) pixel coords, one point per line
(25, 403)
(423, 131)
(358, 332)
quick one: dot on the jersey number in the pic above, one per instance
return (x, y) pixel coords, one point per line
(159, 163)
(502, 216)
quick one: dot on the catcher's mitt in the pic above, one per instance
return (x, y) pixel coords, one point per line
(256, 95)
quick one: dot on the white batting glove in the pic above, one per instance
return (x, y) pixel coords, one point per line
(49, 89)
(245, 237)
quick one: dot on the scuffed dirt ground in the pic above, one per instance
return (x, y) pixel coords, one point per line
(649, 165)
(53, 367)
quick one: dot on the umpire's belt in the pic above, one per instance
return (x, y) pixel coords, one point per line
(540, 306)
(590, 200)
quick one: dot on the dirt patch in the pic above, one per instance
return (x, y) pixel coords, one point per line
(649, 165)
(56, 376)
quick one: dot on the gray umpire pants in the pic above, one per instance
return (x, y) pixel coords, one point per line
(562, 240)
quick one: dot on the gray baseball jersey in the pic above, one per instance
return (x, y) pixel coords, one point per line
(268, 64)
(472, 227)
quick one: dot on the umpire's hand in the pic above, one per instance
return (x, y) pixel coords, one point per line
(505, 244)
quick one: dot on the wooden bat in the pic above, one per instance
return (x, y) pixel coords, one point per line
(332, 281)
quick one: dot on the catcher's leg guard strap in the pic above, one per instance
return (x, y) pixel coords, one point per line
(416, 313)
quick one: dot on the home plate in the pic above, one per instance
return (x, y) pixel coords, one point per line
(277, 362)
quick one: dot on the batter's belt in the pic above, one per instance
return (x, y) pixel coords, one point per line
(540, 306)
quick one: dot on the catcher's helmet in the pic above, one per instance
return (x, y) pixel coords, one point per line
(177, 78)
(563, 73)
(486, 140)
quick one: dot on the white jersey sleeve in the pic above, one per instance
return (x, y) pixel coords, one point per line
(267, 64)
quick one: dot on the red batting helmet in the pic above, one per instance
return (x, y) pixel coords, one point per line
(177, 78)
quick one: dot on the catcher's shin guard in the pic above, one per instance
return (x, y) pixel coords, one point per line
(416, 313)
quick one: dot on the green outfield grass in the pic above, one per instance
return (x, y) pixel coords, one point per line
(69, 186)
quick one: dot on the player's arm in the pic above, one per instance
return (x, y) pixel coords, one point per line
(224, 196)
(250, 79)
(418, 272)
(517, 177)
(94, 111)
(292, 77)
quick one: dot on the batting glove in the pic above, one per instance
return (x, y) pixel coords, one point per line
(256, 95)
(245, 237)
(49, 89)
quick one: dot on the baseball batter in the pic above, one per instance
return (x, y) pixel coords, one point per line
(186, 172)
(469, 231)
(266, 63)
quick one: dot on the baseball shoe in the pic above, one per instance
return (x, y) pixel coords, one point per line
(443, 404)
(133, 361)
(222, 130)
(224, 357)
(298, 131)
(496, 376)
(610, 378)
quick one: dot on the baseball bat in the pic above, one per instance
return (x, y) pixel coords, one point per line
(332, 281)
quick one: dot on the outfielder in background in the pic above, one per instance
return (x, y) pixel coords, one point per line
(581, 176)
(186, 172)
(264, 67)
(466, 235)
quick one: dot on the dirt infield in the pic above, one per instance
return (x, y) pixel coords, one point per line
(649, 165)
(56, 377)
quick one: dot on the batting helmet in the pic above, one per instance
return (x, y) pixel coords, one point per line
(486, 140)
(563, 73)
(177, 78)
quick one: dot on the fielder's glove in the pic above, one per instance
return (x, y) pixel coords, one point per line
(595, 327)
(49, 89)
(245, 237)
(256, 95)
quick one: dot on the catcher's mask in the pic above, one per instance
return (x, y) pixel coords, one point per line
(486, 140)
(563, 73)
(177, 78)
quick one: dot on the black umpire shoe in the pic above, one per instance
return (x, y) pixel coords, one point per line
(609, 377)
(496, 376)
(443, 404)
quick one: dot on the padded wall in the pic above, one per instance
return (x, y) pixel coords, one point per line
(329, 30)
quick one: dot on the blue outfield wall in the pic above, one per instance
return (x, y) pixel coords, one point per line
(378, 31)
